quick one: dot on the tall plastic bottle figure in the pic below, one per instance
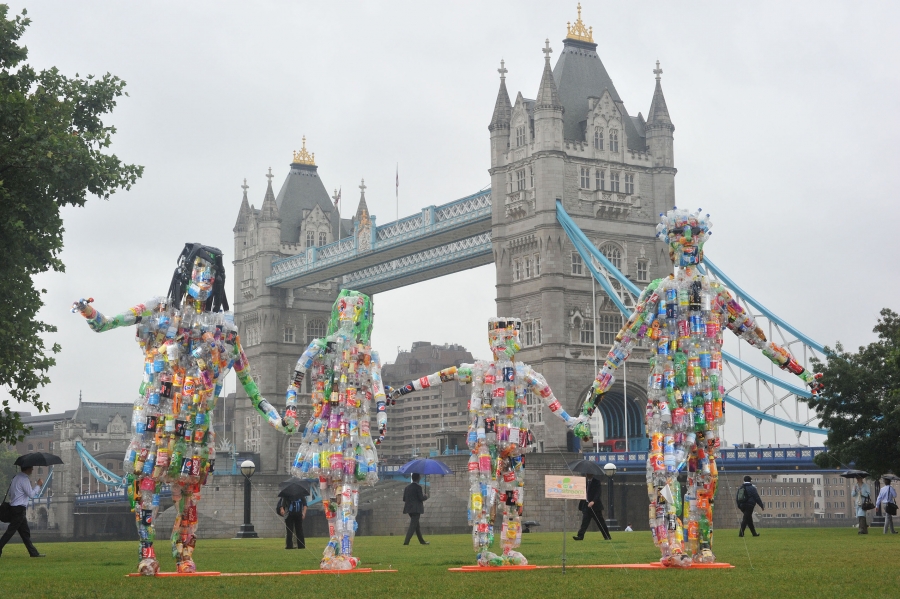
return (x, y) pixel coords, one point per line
(190, 343)
(683, 316)
(498, 437)
(337, 446)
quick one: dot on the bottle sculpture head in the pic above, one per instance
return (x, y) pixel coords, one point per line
(503, 335)
(351, 316)
(685, 232)
(199, 277)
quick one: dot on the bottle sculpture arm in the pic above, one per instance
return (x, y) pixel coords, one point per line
(463, 375)
(745, 327)
(100, 323)
(643, 322)
(286, 424)
(538, 385)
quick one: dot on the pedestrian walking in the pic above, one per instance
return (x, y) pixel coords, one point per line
(863, 495)
(747, 498)
(294, 511)
(414, 505)
(887, 502)
(592, 509)
(19, 492)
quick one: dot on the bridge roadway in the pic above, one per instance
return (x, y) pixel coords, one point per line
(755, 459)
(439, 240)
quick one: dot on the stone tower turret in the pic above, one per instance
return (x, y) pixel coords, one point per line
(660, 142)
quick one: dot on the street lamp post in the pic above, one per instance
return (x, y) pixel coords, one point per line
(610, 471)
(246, 531)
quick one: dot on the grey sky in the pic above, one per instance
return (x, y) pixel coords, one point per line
(785, 117)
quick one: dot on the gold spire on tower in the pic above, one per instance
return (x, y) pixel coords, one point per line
(304, 157)
(578, 31)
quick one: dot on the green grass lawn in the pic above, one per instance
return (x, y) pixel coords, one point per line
(828, 562)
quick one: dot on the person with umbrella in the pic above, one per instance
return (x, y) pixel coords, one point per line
(863, 495)
(19, 492)
(592, 507)
(414, 505)
(292, 505)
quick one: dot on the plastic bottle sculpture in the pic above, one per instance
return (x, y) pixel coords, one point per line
(498, 437)
(684, 316)
(189, 346)
(337, 447)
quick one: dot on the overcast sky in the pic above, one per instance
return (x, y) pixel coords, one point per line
(785, 116)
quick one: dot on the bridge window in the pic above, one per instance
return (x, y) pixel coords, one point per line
(520, 179)
(315, 329)
(109, 466)
(31, 447)
(641, 270)
(586, 334)
(528, 268)
(577, 264)
(614, 181)
(517, 270)
(520, 136)
(96, 445)
(585, 178)
(613, 254)
(601, 179)
(532, 333)
(598, 138)
(289, 334)
(535, 414)
(310, 238)
(609, 326)
(613, 140)
(629, 183)
(250, 271)
(323, 238)
(40, 445)
(531, 175)
(537, 265)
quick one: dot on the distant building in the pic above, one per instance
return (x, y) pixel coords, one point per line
(430, 420)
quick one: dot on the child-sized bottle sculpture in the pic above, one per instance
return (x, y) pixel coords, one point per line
(498, 437)
(190, 344)
(684, 316)
(337, 446)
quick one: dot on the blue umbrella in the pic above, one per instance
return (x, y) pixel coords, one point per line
(425, 466)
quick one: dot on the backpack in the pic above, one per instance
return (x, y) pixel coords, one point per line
(741, 496)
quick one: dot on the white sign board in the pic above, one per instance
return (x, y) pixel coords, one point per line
(565, 487)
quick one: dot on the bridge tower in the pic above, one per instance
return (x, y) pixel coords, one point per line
(275, 324)
(614, 173)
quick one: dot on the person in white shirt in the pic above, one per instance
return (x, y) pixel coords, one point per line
(20, 491)
(629, 529)
(886, 496)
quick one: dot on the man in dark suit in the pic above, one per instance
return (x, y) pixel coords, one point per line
(751, 500)
(294, 511)
(414, 505)
(592, 508)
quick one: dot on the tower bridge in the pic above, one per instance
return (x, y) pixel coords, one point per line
(576, 185)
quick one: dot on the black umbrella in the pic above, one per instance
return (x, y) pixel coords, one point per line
(890, 477)
(294, 488)
(855, 474)
(585, 467)
(37, 458)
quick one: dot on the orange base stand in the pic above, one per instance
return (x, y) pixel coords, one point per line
(657, 566)
(171, 574)
(491, 568)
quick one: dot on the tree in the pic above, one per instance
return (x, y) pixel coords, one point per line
(7, 467)
(52, 142)
(860, 403)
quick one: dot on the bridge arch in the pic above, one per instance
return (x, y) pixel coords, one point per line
(613, 410)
